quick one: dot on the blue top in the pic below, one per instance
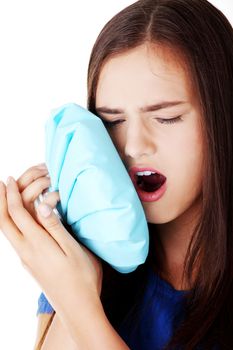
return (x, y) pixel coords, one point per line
(43, 305)
(161, 311)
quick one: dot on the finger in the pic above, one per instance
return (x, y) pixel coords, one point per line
(7, 226)
(31, 175)
(32, 232)
(51, 198)
(32, 191)
(22, 219)
(53, 225)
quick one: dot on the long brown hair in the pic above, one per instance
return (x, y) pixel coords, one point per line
(205, 37)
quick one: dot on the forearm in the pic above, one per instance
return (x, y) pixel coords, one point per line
(90, 328)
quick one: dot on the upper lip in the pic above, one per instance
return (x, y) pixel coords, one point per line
(134, 169)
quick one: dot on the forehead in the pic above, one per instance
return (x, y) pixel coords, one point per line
(143, 74)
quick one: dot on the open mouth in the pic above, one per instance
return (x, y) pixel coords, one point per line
(150, 183)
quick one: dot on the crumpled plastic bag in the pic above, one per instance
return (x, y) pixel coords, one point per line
(97, 197)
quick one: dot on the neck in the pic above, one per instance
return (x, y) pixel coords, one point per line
(170, 242)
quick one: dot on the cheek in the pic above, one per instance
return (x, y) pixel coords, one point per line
(188, 144)
(118, 140)
(195, 153)
(189, 163)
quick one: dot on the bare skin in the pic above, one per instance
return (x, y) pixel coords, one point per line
(51, 253)
(128, 82)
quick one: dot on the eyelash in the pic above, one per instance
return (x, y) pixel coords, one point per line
(162, 121)
(172, 120)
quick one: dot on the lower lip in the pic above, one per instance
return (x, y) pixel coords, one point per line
(151, 196)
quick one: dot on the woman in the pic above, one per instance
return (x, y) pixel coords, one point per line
(160, 76)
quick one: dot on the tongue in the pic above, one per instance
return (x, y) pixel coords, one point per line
(151, 183)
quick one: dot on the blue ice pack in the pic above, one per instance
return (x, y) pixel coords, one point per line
(97, 197)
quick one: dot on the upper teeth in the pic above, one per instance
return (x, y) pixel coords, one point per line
(147, 173)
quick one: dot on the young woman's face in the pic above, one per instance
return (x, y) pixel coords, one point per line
(144, 137)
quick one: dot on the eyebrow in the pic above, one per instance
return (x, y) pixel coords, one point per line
(150, 108)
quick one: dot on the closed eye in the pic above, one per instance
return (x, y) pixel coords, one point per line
(110, 124)
(170, 121)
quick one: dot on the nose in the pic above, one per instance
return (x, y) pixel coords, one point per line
(139, 141)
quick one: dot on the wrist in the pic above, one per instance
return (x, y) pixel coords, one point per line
(89, 327)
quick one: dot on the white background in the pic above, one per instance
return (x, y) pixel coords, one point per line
(45, 46)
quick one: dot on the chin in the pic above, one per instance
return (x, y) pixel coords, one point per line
(158, 219)
(156, 216)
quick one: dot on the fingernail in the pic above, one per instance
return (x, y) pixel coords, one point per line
(45, 210)
(42, 166)
(9, 180)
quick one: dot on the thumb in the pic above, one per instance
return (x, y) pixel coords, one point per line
(45, 210)
(49, 220)
(53, 225)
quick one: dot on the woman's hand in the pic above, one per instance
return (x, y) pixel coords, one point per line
(65, 270)
(68, 273)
